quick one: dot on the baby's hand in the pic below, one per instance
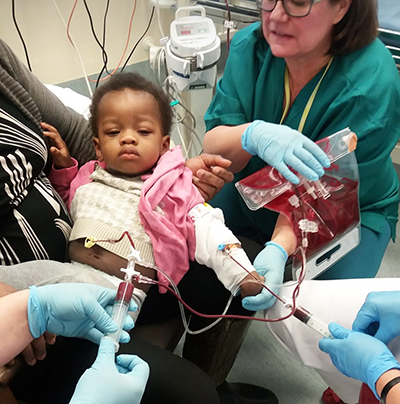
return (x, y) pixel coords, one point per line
(57, 147)
(249, 286)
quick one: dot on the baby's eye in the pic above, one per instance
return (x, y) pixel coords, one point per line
(144, 132)
(113, 132)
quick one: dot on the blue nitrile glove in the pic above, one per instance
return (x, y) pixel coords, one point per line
(106, 382)
(74, 310)
(269, 263)
(379, 316)
(281, 146)
(358, 355)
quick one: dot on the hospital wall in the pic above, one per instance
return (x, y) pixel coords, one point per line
(53, 58)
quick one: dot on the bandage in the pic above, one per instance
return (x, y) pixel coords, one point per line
(211, 232)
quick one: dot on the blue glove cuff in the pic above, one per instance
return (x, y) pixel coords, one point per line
(246, 138)
(279, 248)
(36, 320)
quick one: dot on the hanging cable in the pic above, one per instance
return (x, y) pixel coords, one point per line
(159, 20)
(73, 43)
(104, 53)
(138, 41)
(105, 57)
(181, 120)
(20, 36)
(126, 45)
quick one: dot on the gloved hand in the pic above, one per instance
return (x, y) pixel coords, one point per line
(106, 382)
(358, 355)
(74, 310)
(379, 316)
(269, 263)
(280, 147)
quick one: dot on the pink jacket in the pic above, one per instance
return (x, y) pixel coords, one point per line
(173, 237)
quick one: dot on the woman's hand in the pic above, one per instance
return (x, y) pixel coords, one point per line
(210, 173)
(109, 382)
(270, 265)
(75, 310)
(358, 355)
(281, 146)
(379, 317)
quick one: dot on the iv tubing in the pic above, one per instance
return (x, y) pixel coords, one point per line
(175, 291)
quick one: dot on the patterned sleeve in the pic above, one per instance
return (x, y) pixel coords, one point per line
(38, 104)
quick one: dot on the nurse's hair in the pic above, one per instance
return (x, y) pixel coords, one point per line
(135, 82)
(358, 28)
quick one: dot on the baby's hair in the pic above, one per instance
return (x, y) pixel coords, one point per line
(135, 82)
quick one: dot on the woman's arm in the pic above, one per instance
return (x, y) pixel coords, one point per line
(283, 234)
(226, 141)
(14, 328)
(70, 310)
(393, 396)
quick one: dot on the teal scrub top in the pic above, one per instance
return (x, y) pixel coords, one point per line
(361, 91)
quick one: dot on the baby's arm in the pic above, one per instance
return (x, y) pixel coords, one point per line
(57, 147)
(211, 235)
(64, 168)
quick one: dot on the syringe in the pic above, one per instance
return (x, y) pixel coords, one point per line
(120, 309)
(309, 319)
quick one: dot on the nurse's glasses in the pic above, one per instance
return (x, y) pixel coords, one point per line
(295, 8)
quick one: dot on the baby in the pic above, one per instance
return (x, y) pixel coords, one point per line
(141, 186)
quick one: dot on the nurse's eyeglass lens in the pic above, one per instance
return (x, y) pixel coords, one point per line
(295, 8)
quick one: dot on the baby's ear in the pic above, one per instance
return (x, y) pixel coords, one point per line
(166, 143)
(97, 149)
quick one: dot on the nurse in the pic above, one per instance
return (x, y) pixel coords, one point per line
(315, 67)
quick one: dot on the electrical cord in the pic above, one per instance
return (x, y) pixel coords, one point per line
(20, 35)
(180, 120)
(73, 43)
(93, 30)
(138, 41)
(159, 20)
(101, 46)
(104, 53)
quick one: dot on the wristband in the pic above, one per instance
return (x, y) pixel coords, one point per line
(387, 388)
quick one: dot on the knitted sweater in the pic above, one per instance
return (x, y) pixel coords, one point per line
(105, 208)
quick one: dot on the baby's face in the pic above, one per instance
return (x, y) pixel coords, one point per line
(130, 137)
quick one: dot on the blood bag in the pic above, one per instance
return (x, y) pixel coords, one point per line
(324, 214)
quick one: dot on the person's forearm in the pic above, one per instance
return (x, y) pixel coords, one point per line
(393, 396)
(226, 141)
(14, 328)
(284, 235)
(6, 289)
